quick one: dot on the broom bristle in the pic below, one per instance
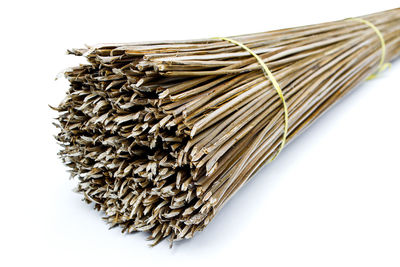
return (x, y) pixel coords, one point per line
(162, 134)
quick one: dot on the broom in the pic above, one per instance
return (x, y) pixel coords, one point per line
(162, 134)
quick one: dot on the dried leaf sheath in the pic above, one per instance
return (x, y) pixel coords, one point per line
(162, 134)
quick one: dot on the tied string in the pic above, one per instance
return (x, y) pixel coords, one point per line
(382, 64)
(278, 89)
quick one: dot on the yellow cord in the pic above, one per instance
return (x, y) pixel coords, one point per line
(268, 73)
(278, 89)
(382, 64)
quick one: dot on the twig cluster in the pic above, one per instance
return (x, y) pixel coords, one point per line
(162, 134)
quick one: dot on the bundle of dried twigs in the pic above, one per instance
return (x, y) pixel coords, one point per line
(162, 134)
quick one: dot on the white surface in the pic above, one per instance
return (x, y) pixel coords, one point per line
(330, 199)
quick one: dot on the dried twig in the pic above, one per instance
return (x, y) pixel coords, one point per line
(162, 134)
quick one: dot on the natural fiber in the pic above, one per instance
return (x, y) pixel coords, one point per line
(162, 134)
(278, 89)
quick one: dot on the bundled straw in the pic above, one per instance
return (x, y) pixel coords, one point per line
(162, 134)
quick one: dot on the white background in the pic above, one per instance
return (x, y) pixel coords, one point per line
(330, 199)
